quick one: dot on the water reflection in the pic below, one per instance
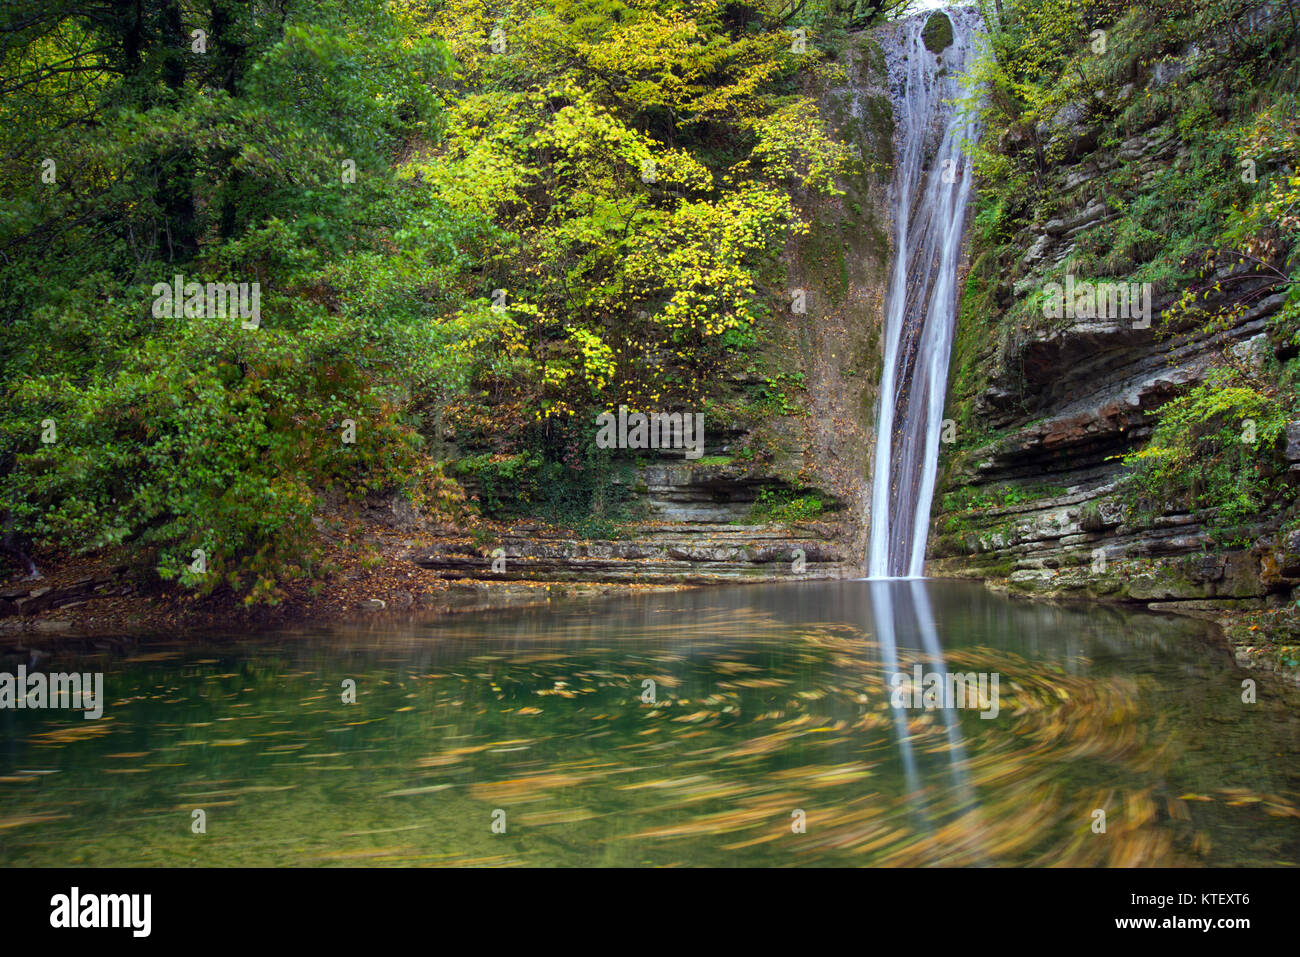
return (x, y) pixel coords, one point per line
(665, 729)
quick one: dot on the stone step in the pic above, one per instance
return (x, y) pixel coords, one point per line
(765, 553)
(596, 570)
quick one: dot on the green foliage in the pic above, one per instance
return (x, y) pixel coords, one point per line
(786, 505)
(505, 484)
(1216, 447)
(471, 221)
(642, 162)
(978, 497)
(1205, 208)
(554, 475)
(176, 434)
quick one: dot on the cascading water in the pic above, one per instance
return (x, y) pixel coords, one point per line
(931, 187)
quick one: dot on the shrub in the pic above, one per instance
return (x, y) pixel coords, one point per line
(786, 505)
(1215, 447)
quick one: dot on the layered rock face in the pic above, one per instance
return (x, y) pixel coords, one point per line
(1057, 403)
(683, 553)
(1086, 391)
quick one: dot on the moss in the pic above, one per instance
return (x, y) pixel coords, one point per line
(974, 343)
(822, 255)
(937, 34)
(1090, 519)
(877, 138)
(871, 54)
(999, 570)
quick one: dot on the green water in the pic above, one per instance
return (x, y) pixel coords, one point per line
(771, 708)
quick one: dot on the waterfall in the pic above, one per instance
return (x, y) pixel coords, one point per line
(932, 179)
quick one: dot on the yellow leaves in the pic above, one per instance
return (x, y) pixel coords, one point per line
(558, 816)
(79, 731)
(793, 144)
(556, 374)
(564, 148)
(22, 819)
(662, 55)
(597, 358)
(533, 787)
(704, 257)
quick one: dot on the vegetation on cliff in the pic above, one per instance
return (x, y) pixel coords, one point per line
(1074, 96)
(470, 224)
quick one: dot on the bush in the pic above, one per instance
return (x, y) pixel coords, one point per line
(170, 435)
(1216, 447)
(557, 477)
(786, 505)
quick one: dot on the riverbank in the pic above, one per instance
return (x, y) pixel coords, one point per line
(1258, 637)
(368, 574)
(382, 567)
(382, 557)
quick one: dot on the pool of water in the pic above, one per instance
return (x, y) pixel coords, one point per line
(734, 726)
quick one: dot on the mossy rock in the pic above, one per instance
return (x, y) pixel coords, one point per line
(937, 34)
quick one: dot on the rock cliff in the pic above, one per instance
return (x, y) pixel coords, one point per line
(1036, 494)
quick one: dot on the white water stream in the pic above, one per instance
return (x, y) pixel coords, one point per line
(932, 180)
